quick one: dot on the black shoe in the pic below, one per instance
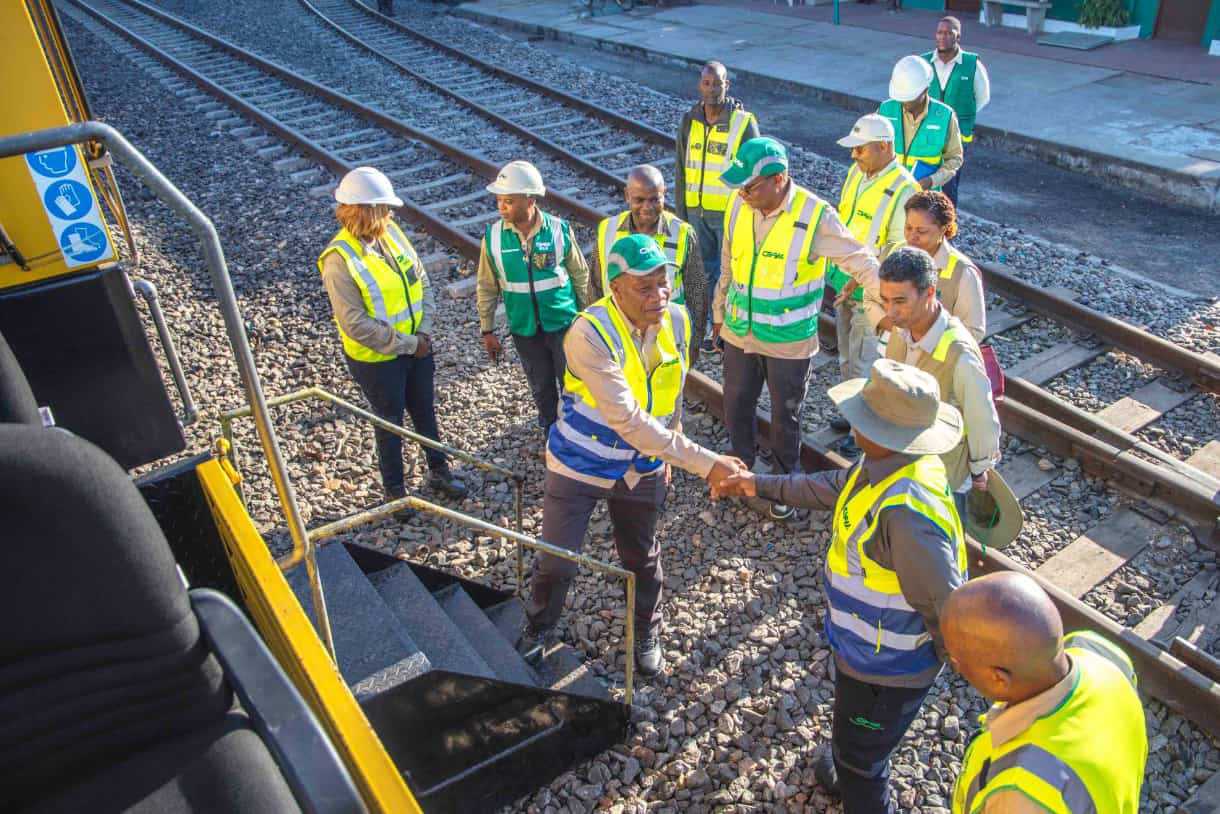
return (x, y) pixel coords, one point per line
(403, 514)
(825, 773)
(443, 481)
(779, 511)
(533, 642)
(707, 345)
(840, 424)
(849, 448)
(649, 659)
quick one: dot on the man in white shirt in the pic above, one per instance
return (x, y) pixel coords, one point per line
(961, 82)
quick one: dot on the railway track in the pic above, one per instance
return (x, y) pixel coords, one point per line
(441, 180)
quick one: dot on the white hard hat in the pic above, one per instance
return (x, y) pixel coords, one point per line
(911, 77)
(518, 178)
(365, 185)
(870, 128)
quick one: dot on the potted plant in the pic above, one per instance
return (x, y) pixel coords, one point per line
(1103, 13)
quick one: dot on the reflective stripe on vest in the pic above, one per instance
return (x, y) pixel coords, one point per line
(582, 439)
(958, 91)
(673, 237)
(529, 290)
(392, 294)
(867, 214)
(927, 148)
(774, 292)
(1057, 762)
(871, 626)
(709, 151)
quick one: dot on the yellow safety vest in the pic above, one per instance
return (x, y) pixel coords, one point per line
(582, 439)
(393, 296)
(673, 236)
(709, 151)
(1085, 757)
(867, 214)
(775, 291)
(870, 625)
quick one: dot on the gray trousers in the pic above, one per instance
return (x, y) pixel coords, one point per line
(709, 231)
(566, 508)
(787, 381)
(859, 346)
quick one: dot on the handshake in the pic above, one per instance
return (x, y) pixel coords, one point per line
(730, 477)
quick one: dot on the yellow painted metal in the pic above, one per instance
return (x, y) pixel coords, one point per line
(34, 100)
(291, 637)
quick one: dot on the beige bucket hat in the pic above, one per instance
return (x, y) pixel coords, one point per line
(899, 408)
(994, 517)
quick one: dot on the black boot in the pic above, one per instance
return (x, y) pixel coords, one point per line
(443, 481)
(825, 773)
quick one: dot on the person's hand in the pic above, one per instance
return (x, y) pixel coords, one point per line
(424, 345)
(925, 182)
(851, 286)
(491, 344)
(716, 326)
(743, 483)
(724, 466)
(886, 324)
(980, 480)
(667, 472)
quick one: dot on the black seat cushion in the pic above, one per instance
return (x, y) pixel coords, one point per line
(17, 404)
(222, 768)
(100, 653)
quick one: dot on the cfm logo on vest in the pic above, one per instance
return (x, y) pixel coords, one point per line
(860, 213)
(773, 254)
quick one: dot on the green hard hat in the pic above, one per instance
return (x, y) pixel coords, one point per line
(755, 158)
(635, 254)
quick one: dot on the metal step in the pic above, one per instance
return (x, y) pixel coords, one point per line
(496, 650)
(446, 644)
(373, 650)
(563, 668)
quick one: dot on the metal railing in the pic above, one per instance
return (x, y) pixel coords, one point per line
(521, 540)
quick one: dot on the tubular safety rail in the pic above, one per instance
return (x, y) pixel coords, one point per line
(93, 132)
(521, 540)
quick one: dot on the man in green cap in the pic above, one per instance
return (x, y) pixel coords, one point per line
(768, 298)
(618, 433)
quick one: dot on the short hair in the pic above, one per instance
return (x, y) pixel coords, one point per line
(952, 21)
(939, 207)
(909, 265)
(717, 67)
(648, 174)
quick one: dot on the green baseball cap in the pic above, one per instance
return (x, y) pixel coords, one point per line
(755, 158)
(635, 254)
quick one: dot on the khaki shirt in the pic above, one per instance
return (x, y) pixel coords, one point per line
(591, 361)
(487, 291)
(970, 307)
(833, 241)
(348, 305)
(951, 159)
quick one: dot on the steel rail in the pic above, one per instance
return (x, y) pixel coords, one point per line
(1161, 675)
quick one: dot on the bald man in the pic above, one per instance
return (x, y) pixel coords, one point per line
(1066, 731)
(645, 195)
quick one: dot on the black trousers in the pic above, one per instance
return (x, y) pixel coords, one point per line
(950, 189)
(869, 722)
(404, 383)
(544, 363)
(787, 380)
(567, 506)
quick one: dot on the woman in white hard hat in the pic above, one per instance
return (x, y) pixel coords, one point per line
(531, 259)
(926, 134)
(383, 307)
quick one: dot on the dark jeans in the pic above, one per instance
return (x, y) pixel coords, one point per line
(391, 387)
(542, 357)
(566, 508)
(869, 722)
(950, 188)
(709, 231)
(787, 381)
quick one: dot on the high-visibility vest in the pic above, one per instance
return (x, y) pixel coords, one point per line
(958, 91)
(1084, 757)
(870, 625)
(709, 151)
(775, 291)
(540, 289)
(867, 214)
(927, 148)
(582, 439)
(392, 295)
(673, 236)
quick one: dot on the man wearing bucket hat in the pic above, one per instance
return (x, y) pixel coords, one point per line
(926, 133)
(897, 551)
(618, 433)
(530, 258)
(871, 205)
(768, 298)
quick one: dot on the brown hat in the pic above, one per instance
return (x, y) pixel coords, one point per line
(898, 407)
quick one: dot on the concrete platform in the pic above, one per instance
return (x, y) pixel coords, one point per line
(1160, 136)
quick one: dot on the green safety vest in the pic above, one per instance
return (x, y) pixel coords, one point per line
(774, 292)
(958, 91)
(928, 146)
(867, 215)
(541, 289)
(673, 236)
(709, 151)
(394, 296)
(1086, 756)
